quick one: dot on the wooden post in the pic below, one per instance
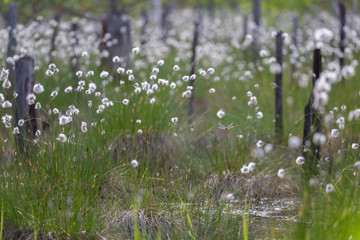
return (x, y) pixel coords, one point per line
(193, 64)
(257, 16)
(118, 26)
(165, 23)
(24, 83)
(342, 11)
(278, 89)
(74, 60)
(53, 38)
(245, 26)
(312, 117)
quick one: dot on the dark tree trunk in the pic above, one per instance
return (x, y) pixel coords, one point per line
(54, 36)
(278, 90)
(193, 65)
(342, 33)
(119, 28)
(74, 60)
(24, 83)
(257, 16)
(312, 119)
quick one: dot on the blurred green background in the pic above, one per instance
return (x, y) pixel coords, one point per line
(30, 8)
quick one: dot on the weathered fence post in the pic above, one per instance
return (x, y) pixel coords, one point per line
(24, 76)
(53, 37)
(342, 11)
(295, 46)
(245, 26)
(193, 65)
(257, 16)
(118, 26)
(165, 23)
(74, 60)
(278, 89)
(312, 116)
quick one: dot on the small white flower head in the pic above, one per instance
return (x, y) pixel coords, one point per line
(79, 74)
(49, 72)
(68, 89)
(281, 173)
(334, 133)
(172, 85)
(249, 94)
(120, 70)
(134, 163)
(185, 78)
(140, 131)
(30, 98)
(138, 121)
(354, 146)
(160, 63)
(116, 59)
(230, 197)
(220, 114)
(52, 66)
(6, 84)
(6, 104)
(16, 130)
(104, 74)
(84, 127)
(131, 78)
(85, 54)
(135, 50)
(125, 101)
(212, 90)
(62, 138)
(245, 169)
(202, 73)
(38, 133)
(54, 94)
(152, 100)
(38, 106)
(55, 111)
(21, 122)
(251, 166)
(329, 188)
(300, 160)
(174, 120)
(294, 142)
(259, 115)
(259, 143)
(193, 77)
(64, 120)
(176, 68)
(211, 71)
